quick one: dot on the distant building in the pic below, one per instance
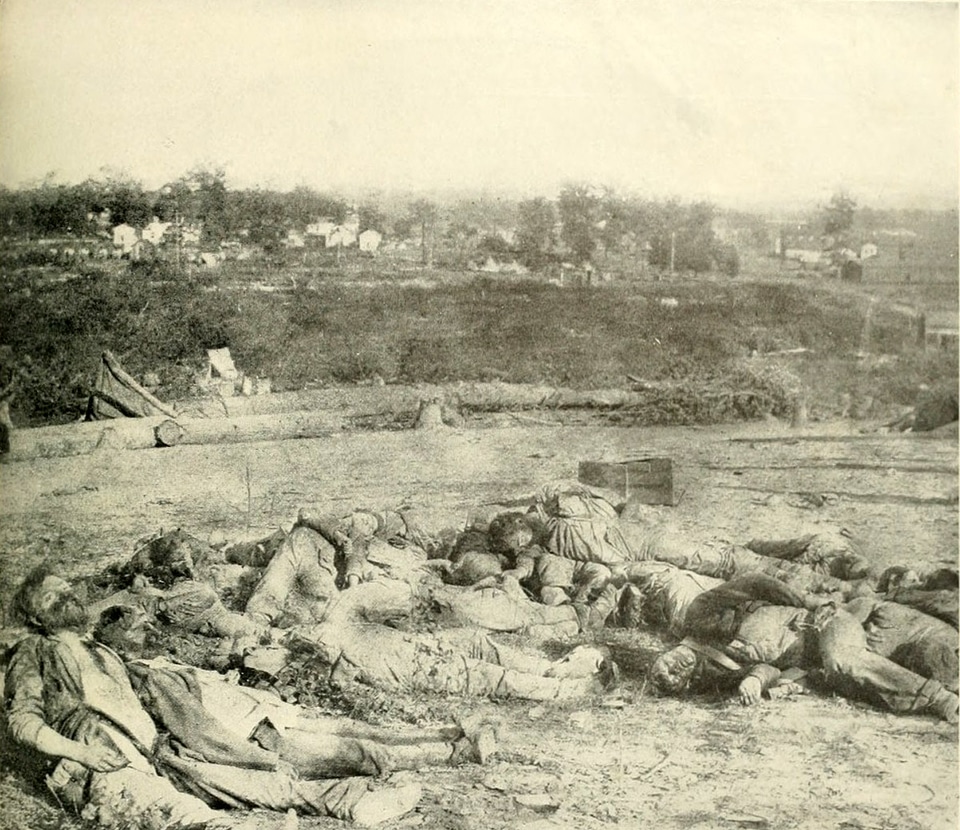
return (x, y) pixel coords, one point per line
(341, 236)
(294, 239)
(369, 241)
(125, 237)
(154, 232)
(322, 227)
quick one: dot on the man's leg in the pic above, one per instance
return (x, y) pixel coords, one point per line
(305, 562)
(316, 755)
(144, 799)
(852, 668)
(346, 798)
(498, 610)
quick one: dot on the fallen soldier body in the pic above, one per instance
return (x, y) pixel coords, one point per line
(71, 699)
(347, 630)
(302, 579)
(579, 523)
(314, 745)
(456, 660)
(745, 632)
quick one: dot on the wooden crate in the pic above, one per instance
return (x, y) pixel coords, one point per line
(647, 480)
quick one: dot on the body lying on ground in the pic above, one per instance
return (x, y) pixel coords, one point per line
(745, 632)
(460, 660)
(164, 743)
(576, 522)
(353, 633)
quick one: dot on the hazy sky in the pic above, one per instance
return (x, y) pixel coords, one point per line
(744, 103)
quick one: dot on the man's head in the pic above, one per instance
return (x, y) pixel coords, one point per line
(581, 661)
(897, 577)
(167, 559)
(48, 604)
(128, 631)
(509, 533)
(673, 670)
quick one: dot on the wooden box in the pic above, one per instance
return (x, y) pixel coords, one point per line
(647, 480)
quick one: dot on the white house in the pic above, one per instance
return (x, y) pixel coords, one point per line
(341, 236)
(294, 239)
(322, 227)
(352, 222)
(154, 232)
(369, 240)
(125, 237)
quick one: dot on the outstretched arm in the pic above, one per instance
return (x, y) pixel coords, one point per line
(760, 678)
(25, 717)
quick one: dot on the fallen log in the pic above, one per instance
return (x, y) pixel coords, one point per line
(869, 498)
(375, 400)
(144, 433)
(130, 383)
(83, 438)
(285, 426)
(168, 433)
(836, 465)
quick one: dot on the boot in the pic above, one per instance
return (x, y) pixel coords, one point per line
(630, 609)
(594, 616)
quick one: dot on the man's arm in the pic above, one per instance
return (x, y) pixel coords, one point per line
(25, 717)
(525, 564)
(760, 678)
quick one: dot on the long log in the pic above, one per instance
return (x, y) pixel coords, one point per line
(837, 465)
(128, 381)
(376, 400)
(872, 498)
(142, 433)
(281, 427)
(83, 438)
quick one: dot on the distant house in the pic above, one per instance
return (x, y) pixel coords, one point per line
(341, 236)
(370, 240)
(322, 227)
(154, 232)
(125, 237)
(294, 239)
(190, 234)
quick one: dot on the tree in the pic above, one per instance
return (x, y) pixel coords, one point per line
(306, 205)
(838, 214)
(682, 237)
(461, 237)
(371, 217)
(536, 231)
(664, 221)
(261, 214)
(616, 225)
(727, 258)
(423, 212)
(121, 195)
(696, 241)
(59, 208)
(579, 214)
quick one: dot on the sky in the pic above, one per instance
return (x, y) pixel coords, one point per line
(747, 104)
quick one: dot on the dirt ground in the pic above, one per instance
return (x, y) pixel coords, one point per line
(629, 759)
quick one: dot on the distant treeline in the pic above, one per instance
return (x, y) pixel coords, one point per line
(585, 225)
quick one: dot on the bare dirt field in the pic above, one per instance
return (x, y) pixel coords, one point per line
(629, 759)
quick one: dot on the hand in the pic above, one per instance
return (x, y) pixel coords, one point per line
(102, 759)
(750, 691)
(353, 579)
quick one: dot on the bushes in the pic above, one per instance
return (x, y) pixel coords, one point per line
(520, 331)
